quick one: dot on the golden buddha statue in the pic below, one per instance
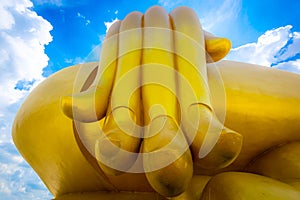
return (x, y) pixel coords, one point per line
(162, 116)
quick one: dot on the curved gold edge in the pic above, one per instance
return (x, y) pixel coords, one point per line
(90, 158)
(111, 196)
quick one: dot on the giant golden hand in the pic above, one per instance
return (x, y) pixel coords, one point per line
(150, 118)
(162, 57)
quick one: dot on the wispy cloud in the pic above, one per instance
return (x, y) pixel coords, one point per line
(87, 21)
(74, 61)
(220, 16)
(214, 15)
(93, 56)
(277, 48)
(49, 2)
(171, 4)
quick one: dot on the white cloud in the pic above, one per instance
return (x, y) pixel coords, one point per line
(292, 48)
(23, 36)
(49, 2)
(17, 179)
(22, 44)
(108, 24)
(74, 61)
(292, 66)
(277, 48)
(6, 19)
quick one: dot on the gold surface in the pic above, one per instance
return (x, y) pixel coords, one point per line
(259, 107)
(262, 110)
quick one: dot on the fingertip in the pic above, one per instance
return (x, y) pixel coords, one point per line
(156, 16)
(217, 48)
(183, 10)
(173, 179)
(225, 151)
(132, 21)
(155, 9)
(117, 150)
(167, 158)
(113, 29)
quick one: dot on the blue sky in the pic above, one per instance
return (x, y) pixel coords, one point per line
(40, 37)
